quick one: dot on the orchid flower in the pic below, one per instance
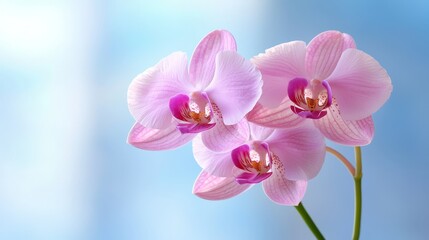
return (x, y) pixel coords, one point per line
(328, 81)
(171, 103)
(282, 159)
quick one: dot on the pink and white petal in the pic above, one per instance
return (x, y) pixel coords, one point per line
(215, 163)
(150, 92)
(202, 66)
(282, 190)
(278, 65)
(157, 139)
(260, 133)
(323, 53)
(236, 86)
(359, 84)
(351, 133)
(349, 42)
(217, 188)
(278, 117)
(301, 150)
(225, 137)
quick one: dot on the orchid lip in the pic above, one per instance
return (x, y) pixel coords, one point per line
(194, 112)
(252, 178)
(194, 128)
(308, 114)
(255, 160)
(311, 97)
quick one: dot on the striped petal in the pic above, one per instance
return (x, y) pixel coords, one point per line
(150, 92)
(278, 65)
(202, 66)
(157, 139)
(323, 53)
(359, 84)
(282, 190)
(351, 133)
(278, 117)
(217, 188)
(215, 163)
(236, 86)
(301, 150)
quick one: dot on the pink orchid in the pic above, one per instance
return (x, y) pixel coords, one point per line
(282, 159)
(171, 104)
(329, 81)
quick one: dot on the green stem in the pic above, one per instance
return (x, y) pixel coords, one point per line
(307, 219)
(358, 193)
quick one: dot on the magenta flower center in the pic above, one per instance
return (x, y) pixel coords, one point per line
(311, 97)
(194, 112)
(255, 160)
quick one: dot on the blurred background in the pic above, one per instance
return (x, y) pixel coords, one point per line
(66, 171)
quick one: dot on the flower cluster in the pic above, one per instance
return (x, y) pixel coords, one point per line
(259, 120)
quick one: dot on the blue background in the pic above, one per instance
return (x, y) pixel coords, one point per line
(66, 171)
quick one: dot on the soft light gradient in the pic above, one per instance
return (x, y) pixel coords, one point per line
(66, 171)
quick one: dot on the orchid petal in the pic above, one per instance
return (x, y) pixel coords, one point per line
(278, 65)
(150, 92)
(282, 190)
(359, 84)
(260, 133)
(301, 150)
(279, 117)
(349, 42)
(225, 137)
(215, 163)
(202, 66)
(351, 133)
(217, 188)
(157, 139)
(236, 86)
(323, 53)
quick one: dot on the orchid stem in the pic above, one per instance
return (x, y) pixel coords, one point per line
(343, 159)
(307, 219)
(358, 193)
(357, 177)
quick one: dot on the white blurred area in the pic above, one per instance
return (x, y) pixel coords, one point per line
(46, 117)
(63, 117)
